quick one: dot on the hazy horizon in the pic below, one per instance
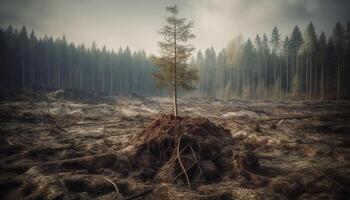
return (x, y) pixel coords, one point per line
(135, 23)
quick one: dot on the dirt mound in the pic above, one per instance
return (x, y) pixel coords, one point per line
(185, 150)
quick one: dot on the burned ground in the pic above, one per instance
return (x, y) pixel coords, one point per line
(54, 146)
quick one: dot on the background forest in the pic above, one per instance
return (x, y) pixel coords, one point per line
(301, 65)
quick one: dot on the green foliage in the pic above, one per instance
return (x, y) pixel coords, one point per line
(296, 41)
(275, 41)
(175, 51)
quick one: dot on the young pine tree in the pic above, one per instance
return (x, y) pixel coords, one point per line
(173, 70)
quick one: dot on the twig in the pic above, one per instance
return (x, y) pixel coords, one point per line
(60, 128)
(280, 122)
(129, 163)
(180, 162)
(115, 187)
(174, 159)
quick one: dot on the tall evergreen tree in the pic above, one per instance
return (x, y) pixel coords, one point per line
(275, 49)
(286, 53)
(259, 53)
(339, 41)
(296, 41)
(310, 48)
(322, 45)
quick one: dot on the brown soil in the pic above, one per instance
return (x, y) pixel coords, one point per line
(56, 148)
(182, 150)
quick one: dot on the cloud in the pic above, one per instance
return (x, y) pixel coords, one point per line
(135, 23)
(220, 20)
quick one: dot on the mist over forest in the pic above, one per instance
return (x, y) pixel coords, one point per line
(300, 65)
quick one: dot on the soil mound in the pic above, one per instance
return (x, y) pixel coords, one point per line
(184, 150)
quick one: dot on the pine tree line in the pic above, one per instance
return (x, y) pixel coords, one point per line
(28, 61)
(301, 65)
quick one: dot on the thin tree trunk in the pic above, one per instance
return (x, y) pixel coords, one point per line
(287, 76)
(322, 81)
(265, 77)
(175, 89)
(70, 75)
(338, 78)
(22, 73)
(310, 78)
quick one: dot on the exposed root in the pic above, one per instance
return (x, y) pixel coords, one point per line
(176, 177)
(173, 147)
(115, 187)
(195, 157)
(181, 164)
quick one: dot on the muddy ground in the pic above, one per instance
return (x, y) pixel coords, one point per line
(66, 146)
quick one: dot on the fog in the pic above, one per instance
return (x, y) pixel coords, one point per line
(135, 23)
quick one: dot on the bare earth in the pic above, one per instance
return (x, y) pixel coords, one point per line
(57, 148)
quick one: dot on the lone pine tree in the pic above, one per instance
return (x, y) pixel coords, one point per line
(174, 49)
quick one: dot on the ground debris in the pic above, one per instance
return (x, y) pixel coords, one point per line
(224, 155)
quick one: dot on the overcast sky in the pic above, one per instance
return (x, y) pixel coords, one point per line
(135, 23)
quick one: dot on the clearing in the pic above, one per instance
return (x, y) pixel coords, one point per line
(78, 145)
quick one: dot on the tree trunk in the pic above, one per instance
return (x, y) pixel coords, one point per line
(338, 78)
(287, 75)
(322, 81)
(22, 73)
(310, 78)
(175, 89)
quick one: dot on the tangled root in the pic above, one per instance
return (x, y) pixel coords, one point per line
(182, 150)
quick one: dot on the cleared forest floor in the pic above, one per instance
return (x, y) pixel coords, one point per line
(64, 145)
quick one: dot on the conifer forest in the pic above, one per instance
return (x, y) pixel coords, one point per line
(300, 65)
(174, 100)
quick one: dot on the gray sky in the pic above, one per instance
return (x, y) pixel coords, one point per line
(135, 23)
